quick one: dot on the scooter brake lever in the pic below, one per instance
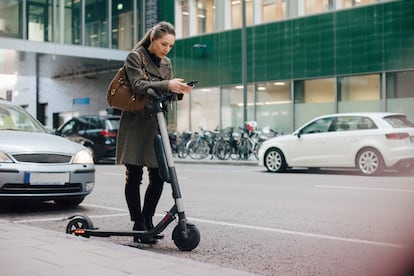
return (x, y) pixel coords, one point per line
(151, 92)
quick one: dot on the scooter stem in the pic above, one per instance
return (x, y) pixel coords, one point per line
(158, 104)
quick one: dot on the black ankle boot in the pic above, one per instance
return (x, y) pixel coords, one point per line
(140, 226)
(148, 223)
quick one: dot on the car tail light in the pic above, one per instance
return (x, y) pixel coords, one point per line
(397, 135)
(106, 133)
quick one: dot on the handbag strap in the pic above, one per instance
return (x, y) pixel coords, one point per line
(144, 63)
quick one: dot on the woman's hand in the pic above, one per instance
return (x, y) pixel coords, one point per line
(179, 87)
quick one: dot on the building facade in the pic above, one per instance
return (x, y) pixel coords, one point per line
(303, 58)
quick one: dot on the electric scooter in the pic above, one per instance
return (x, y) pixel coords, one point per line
(185, 235)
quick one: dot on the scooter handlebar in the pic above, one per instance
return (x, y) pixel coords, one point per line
(152, 92)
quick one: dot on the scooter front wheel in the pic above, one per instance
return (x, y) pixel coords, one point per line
(190, 242)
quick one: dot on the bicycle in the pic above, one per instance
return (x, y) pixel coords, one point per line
(222, 147)
(250, 141)
(227, 145)
(200, 146)
(181, 146)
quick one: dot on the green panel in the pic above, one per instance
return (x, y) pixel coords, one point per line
(257, 56)
(166, 10)
(399, 35)
(285, 51)
(374, 38)
(360, 40)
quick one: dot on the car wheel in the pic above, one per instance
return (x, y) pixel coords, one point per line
(274, 160)
(369, 162)
(69, 201)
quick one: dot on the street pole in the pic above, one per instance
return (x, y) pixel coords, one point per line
(244, 61)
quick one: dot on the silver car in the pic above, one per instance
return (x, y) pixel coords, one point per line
(35, 164)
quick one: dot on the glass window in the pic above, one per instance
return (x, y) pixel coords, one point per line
(400, 96)
(16, 119)
(122, 25)
(205, 109)
(274, 106)
(11, 19)
(96, 23)
(273, 10)
(400, 85)
(183, 114)
(68, 22)
(313, 98)
(345, 123)
(205, 16)
(237, 13)
(232, 106)
(39, 20)
(359, 93)
(185, 18)
(317, 6)
(318, 91)
(69, 128)
(399, 121)
(318, 126)
(353, 3)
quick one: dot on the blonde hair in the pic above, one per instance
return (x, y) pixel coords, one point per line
(158, 31)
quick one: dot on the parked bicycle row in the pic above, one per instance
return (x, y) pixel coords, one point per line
(237, 143)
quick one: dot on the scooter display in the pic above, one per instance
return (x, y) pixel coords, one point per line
(185, 235)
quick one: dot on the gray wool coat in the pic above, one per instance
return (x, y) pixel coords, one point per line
(137, 129)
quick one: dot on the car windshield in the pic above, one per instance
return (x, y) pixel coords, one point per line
(320, 125)
(14, 118)
(113, 124)
(399, 121)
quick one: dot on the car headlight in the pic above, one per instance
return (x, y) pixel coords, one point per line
(83, 157)
(4, 158)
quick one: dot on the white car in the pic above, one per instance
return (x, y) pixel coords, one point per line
(37, 165)
(369, 141)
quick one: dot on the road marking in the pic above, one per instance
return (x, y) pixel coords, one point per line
(297, 233)
(236, 225)
(105, 207)
(364, 188)
(66, 218)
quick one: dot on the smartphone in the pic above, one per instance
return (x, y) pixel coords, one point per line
(192, 83)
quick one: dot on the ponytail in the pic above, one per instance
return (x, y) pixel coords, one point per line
(155, 32)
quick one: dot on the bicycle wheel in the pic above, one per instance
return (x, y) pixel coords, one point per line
(245, 148)
(182, 151)
(223, 150)
(234, 150)
(198, 149)
(256, 150)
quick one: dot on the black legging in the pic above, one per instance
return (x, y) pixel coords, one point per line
(132, 192)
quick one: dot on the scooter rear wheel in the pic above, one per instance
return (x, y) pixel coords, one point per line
(189, 243)
(78, 222)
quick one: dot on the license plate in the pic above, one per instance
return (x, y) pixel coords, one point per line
(40, 178)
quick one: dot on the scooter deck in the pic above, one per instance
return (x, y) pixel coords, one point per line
(99, 233)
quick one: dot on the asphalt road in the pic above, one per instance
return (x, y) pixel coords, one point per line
(296, 223)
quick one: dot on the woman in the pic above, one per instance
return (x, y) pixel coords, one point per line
(147, 66)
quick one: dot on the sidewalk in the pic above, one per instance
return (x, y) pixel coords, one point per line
(26, 250)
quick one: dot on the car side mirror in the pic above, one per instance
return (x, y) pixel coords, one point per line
(299, 133)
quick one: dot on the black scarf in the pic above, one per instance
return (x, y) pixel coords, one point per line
(154, 58)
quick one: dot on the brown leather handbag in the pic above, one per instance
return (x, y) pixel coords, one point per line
(119, 94)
